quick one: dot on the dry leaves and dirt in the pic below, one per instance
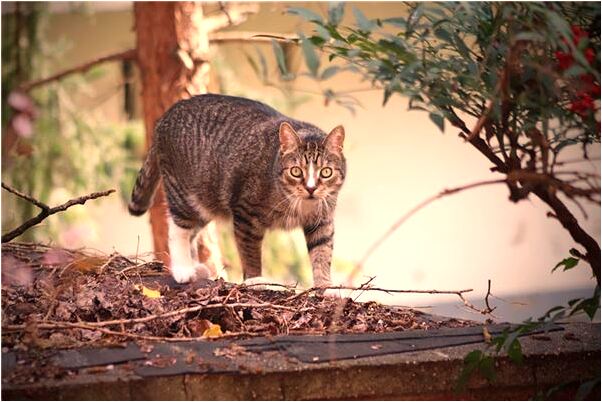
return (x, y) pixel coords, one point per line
(58, 298)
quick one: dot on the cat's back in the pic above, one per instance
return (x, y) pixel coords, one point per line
(214, 114)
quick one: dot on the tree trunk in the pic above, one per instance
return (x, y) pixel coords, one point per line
(171, 51)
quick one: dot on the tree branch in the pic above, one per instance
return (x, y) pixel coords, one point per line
(570, 223)
(249, 36)
(129, 54)
(231, 14)
(46, 211)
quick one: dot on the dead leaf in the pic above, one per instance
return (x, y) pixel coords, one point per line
(213, 331)
(150, 293)
(198, 327)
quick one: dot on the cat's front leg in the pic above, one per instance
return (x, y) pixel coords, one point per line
(319, 239)
(248, 234)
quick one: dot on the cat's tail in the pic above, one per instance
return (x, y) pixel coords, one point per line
(146, 184)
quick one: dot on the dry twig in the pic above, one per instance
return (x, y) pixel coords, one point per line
(46, 211)
(370, 288)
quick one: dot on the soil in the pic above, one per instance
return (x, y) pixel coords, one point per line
(54, 298)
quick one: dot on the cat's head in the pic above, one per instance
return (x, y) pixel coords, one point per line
(312, 166)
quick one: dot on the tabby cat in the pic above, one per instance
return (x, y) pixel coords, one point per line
(235, 158)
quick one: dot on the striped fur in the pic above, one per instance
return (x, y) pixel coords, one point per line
(146, 185)
(235, 158)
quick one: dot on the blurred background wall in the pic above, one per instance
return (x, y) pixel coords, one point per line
(396, 159)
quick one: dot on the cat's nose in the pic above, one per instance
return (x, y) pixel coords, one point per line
(310, 190)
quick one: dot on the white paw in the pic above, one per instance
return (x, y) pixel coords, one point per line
(259, 282)
(187, 273)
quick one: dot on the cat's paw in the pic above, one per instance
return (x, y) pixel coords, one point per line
(259, 283)
(188, 273)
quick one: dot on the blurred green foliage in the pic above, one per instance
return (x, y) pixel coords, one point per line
(71, 150)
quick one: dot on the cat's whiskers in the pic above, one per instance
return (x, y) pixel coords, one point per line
(292, 212)
(287, 198)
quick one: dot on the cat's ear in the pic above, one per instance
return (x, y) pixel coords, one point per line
(289, 140)
(334, 141)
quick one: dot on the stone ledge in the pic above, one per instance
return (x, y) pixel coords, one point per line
(428, 374)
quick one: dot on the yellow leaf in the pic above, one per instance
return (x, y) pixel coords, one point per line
(213, 331)
(150, 293)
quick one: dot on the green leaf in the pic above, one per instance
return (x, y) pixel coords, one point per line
(322, 32)
(362, 22)
(305, 13)
(487, 368)
(568, 263)
(588, 306)
(396, 21)
(443, 34)
(279, 53)
(471, 363)
(316, 40)
(311, 58)
(515, 352)
(329, 72)
(335, 12)
(438, 120)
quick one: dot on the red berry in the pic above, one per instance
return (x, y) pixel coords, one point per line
(578, 34)
(595, 90)
(587, 101)
(583, 104)
(590, 55)
(565, 60)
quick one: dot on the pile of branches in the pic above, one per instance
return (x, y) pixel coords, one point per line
(59, 298)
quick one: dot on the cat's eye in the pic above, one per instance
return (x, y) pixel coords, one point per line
(296, 172)
(325, 173)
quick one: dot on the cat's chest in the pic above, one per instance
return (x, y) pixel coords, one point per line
(294, 216)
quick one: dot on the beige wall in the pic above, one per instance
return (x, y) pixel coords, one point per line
(396, 159)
